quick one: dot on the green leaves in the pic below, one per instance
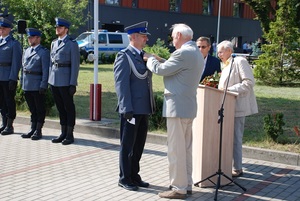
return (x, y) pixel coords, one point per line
(40, 14)
(273, 125)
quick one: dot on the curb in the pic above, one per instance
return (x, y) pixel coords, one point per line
(101, 128)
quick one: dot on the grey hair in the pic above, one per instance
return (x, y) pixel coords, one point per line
(203, 38)
(226, 44)
(184, 29)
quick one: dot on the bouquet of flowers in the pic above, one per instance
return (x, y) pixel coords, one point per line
(212, 80)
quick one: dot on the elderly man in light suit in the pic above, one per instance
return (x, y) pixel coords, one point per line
(63, 75)
(241, 80)
(10, 64)
(34, 79)
(181, 78)
(133, 83)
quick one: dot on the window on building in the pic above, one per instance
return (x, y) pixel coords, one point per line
(175, 5)
(238, 9)
(113, 2)
(207, 7)
(134, 3)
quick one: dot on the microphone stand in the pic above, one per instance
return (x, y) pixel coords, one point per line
(220, 173)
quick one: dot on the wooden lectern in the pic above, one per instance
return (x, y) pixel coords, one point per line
(206, 135)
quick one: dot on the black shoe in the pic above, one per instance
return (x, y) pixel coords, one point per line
(130, 187)
(36, 137)
(57, 140)
(66, 142)
(7, 131)
(141, 184)
(28, 135)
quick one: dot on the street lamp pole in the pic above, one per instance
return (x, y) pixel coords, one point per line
(218, 26)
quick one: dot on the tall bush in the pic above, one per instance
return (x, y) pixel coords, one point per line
(273, 126)
(156, 120)
(280, 62)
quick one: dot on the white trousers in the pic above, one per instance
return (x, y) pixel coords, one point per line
(180, 159)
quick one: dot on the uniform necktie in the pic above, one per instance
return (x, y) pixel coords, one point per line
(59, 42)
(1, 40)
(142, 54)
(32, 49)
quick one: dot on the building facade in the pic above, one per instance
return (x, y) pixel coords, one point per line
(237, 20)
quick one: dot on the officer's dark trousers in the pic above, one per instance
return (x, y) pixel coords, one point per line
(133, 138)
(8, 106)
(36, 104)
(65, 105)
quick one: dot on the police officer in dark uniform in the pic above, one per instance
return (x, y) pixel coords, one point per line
(133, 83)
(34, 79)
(63, 74)
(10, 64)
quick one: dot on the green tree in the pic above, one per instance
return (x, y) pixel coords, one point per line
(262, 9)
(41, 14)
(280, 61)
(159, 48)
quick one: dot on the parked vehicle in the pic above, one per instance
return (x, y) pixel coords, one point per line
(108, 43)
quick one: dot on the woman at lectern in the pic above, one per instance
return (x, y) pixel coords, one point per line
(237, 72)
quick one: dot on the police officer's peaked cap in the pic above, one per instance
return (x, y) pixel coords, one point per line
(62, 22)
(140, 28)
(5, 23)
(33, 32)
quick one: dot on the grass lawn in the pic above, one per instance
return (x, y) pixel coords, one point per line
(285, 100)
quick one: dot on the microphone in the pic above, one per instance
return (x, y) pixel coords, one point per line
(233, 55)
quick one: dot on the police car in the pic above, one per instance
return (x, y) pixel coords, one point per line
(108, 42)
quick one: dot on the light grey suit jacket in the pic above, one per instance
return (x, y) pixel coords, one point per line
(241, 81)
(181, 78)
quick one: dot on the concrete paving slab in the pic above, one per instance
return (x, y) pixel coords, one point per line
(88, 170)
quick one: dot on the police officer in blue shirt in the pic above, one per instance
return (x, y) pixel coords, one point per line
(133, 83)
(34, 79)
(10, 64)
(63, 74)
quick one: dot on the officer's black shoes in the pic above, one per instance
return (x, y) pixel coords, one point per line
(62, 136)
(4, 123)
(58, 140)
(38, 132)
(2, 128)
(66, 142)
(141, 183)
(31, 132)
(70, 137)
(8, 131)
(28, 135)
(129, 187)
(37, 135)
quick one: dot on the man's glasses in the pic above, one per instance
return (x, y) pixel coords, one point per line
(203, 47)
